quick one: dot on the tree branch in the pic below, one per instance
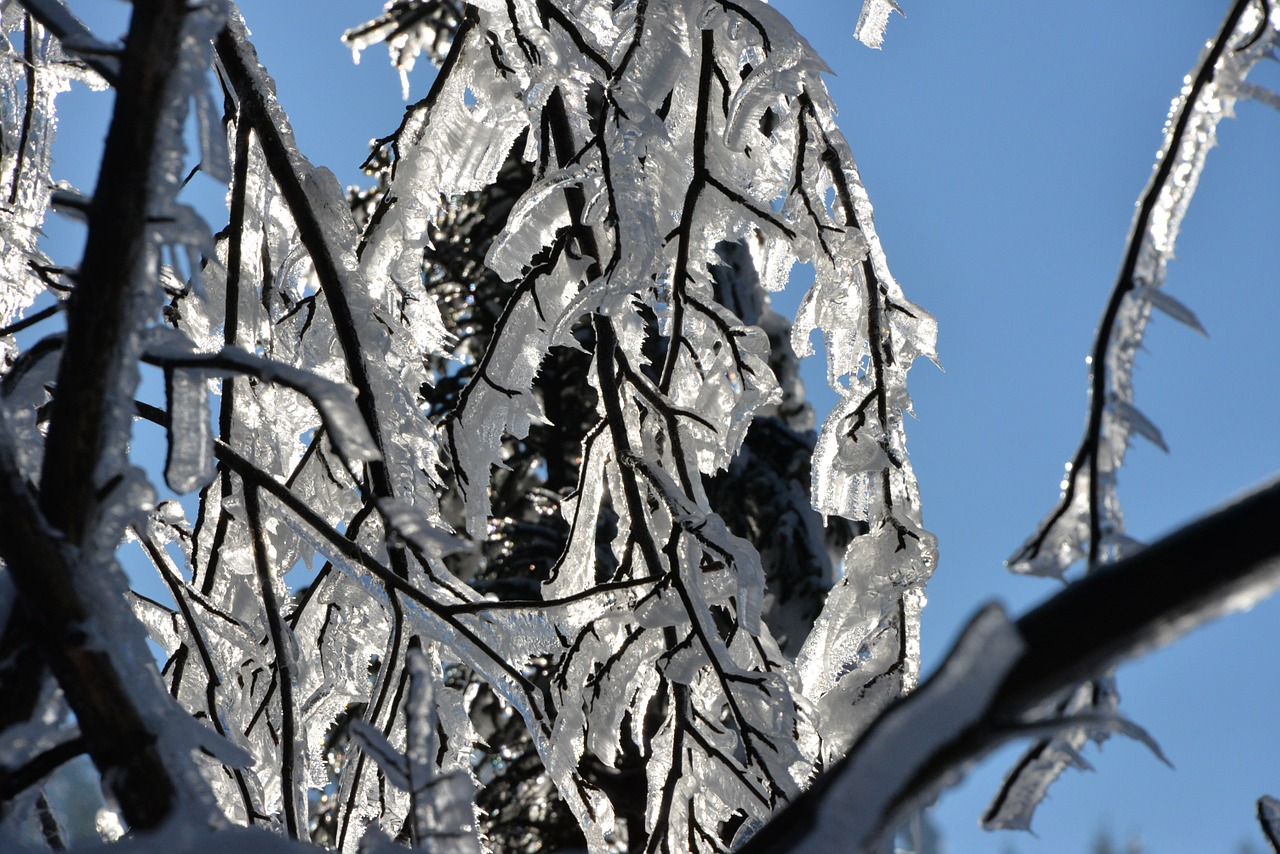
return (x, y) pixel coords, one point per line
(1223, 562)
(14, 782)
(290, 168)
(41, 545)
(117, 738)
(74, 36)
(1086, 456)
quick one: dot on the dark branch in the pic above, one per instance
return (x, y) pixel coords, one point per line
(96, 353)
(1220, 563)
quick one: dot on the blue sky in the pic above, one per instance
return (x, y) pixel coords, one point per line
(1004, 146)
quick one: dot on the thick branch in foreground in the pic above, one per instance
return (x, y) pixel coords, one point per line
(41, 545)
(115, 252)
(74, 36)
(1221, 563)
(115, 735)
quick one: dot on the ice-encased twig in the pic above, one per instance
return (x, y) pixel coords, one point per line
(630, 203)
(29, 84)
(1088, 521)
(76, 38)
(336, 402)
(1088, 513)
(328, 233)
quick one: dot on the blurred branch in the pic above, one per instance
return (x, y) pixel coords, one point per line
(14, 782)
(75, 37)
(1223, 562)
(115, 735)
(41, 544)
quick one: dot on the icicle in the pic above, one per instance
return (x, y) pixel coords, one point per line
(189, 461)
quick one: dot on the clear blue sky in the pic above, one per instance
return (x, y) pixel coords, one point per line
(1003, 145)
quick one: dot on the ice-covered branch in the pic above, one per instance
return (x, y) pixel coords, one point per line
(1086, 520)
(977, 701)
(355, 559)
(60, 559)
(292, 786)
(75, 37)
(13, 781)
(117, 734)
(336, 402)
(409, 27)
(873, 19)
(322, 222)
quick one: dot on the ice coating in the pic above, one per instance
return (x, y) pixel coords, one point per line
(881, 770)
(872, 21)
(441, 802)
(408, 32)
(190, 452)
(28, 128)
(1088, 521)
(1208, 96)
(684, 176)
(681, 158)
(334, 401)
